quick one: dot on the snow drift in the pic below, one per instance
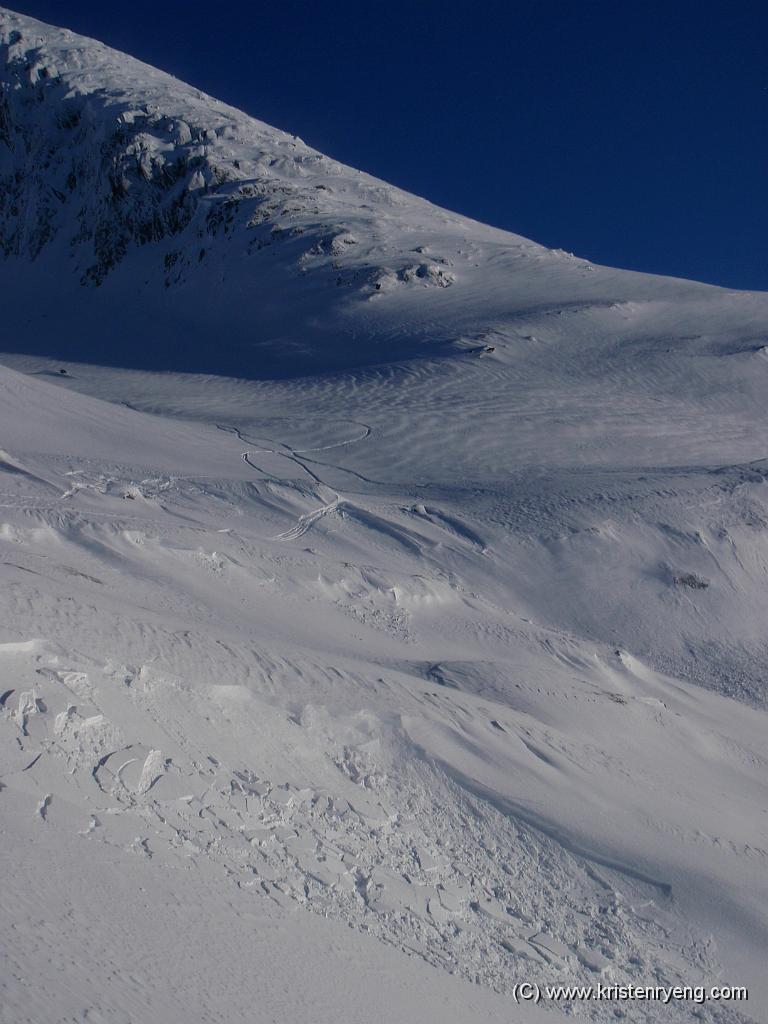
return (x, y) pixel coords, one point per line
(412, 617)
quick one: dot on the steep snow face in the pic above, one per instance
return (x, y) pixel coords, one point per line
(459, 643)
(123, 175)
(123, 188)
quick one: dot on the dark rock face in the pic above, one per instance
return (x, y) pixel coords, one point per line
(82, 168)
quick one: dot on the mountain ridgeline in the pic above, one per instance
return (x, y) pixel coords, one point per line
(140, 219)
(172, 201)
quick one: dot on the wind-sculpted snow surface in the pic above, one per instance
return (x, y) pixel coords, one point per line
(365, 694)
(354, 713)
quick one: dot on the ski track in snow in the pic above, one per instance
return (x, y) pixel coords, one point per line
(305, 522)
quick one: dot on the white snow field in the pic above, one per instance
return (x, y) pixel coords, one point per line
(383, 606)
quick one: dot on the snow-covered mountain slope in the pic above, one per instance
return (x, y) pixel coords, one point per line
(422, 592)
(198, 221)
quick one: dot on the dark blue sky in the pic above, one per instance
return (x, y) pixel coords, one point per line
(635, 134)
